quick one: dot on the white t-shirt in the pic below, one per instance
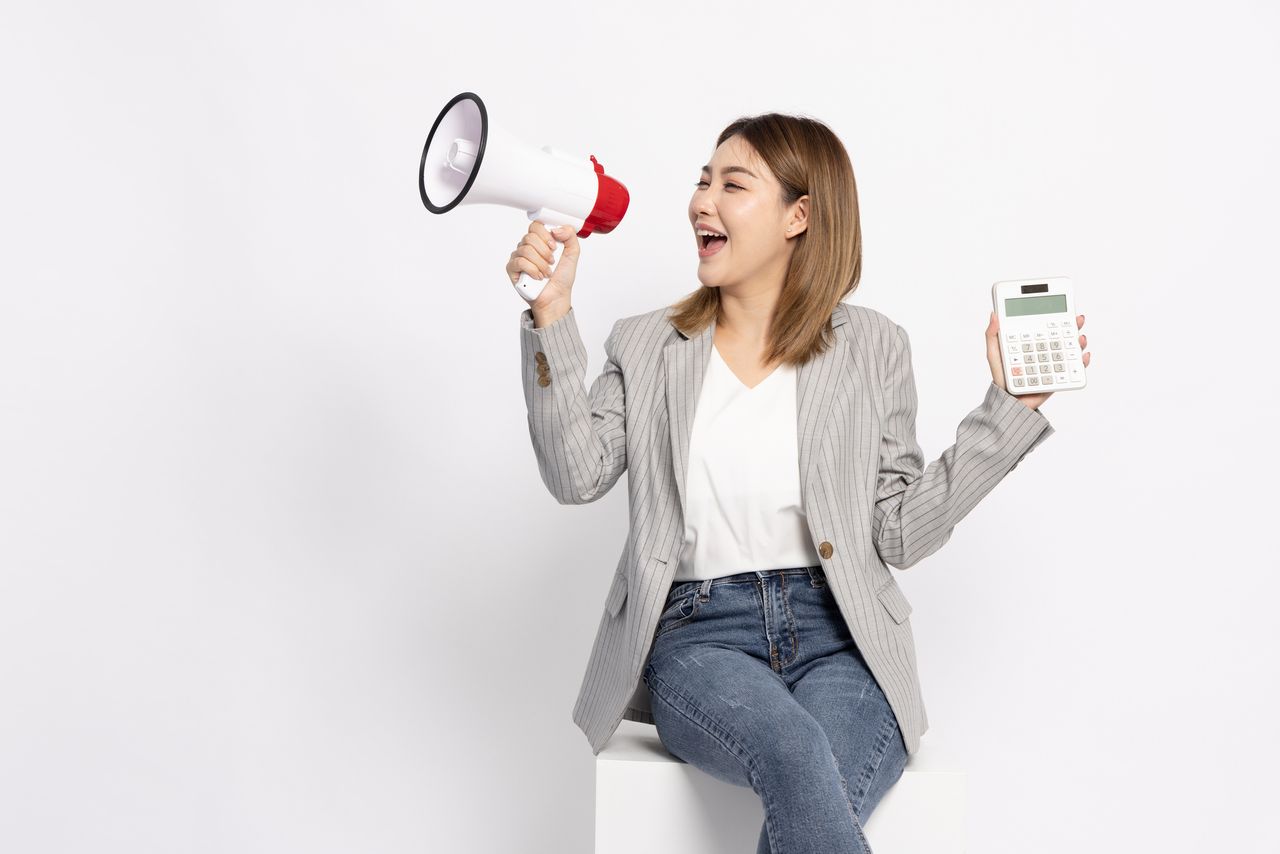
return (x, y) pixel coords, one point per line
(743, 487)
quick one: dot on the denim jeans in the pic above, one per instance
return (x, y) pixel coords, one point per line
(755, 680)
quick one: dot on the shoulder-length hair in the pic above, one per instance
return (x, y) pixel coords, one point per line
(806, 157)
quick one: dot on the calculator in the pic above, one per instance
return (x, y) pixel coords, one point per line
(1039, 339)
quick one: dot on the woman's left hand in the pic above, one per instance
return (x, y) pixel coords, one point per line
(997, 364)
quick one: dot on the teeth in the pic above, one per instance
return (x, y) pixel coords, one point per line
(703, 232)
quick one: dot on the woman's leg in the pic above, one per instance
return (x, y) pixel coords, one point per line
(722, 703)
(842, 696)
(728, 714)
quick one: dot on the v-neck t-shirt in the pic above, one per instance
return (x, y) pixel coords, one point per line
(743, 485)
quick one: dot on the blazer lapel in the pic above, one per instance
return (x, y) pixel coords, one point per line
(818, 383)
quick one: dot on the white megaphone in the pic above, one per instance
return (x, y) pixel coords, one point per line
(468, 160)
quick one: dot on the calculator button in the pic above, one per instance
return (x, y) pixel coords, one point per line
(1058, 367)
(1016, 371)
(1055, 345)
(1040, 345)
(1018, 381)
(1027, 348)
(1032, 381)
(1013, 348)
(1026, 336)
(1044, 357)
(1057, 357)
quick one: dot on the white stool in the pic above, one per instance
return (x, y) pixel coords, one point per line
(647, 800)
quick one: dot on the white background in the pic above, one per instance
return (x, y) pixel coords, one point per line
(278, 570)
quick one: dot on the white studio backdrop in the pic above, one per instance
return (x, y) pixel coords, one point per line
(270, 520)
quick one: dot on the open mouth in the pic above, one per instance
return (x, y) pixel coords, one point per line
(709, 244)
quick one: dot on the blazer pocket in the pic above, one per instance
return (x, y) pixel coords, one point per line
(617, 594)
(894, 601)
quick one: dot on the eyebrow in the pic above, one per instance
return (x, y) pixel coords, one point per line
(729, 169)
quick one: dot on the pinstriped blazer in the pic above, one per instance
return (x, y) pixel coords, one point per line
(869, 499)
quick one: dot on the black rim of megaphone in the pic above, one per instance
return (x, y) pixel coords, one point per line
(422, 166)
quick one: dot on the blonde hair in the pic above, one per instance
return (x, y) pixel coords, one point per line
(805, 156)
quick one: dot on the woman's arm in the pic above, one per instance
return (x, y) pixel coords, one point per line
(916, 506)
(580, 439)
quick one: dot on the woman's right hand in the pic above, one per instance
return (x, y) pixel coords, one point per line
(533, 256)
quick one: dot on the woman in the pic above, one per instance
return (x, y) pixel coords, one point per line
(769, 431)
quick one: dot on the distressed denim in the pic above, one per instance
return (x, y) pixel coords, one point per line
(756, 680)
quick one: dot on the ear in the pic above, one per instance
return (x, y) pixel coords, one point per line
(799, 219)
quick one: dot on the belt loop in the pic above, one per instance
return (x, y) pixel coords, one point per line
(817, 576)
(704, 592)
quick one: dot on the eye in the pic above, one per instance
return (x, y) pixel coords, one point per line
(727, 184)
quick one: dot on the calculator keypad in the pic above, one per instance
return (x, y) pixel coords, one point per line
(1047, 356)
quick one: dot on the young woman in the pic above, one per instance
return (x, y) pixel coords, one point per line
(769, 431)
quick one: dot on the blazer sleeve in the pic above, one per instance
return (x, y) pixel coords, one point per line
(917, 507)
(579, 438)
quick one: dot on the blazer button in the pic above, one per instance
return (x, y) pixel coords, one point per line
(540, 357)
(544, 380)
(825, 549)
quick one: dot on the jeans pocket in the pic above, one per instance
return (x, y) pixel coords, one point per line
(681, 607)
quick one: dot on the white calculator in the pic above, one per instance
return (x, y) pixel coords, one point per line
(1039, 339)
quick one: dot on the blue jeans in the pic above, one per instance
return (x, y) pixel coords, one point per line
(755, 680)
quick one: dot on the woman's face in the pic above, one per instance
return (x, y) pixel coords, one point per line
(745, 206)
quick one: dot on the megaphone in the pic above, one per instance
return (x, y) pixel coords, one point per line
(469, 160)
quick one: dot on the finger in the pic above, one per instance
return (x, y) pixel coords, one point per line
(548, 237)
(539, 229)
(545, 264)
(527, 266)
(531, 254)
(1086, 359)
(543, 246)
(1079, 321)
(565, 234)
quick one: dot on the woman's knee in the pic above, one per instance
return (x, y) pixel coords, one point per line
(792, 742)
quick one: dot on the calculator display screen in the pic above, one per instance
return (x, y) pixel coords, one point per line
(1022, 306)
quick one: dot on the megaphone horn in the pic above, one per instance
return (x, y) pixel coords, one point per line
(470, 160)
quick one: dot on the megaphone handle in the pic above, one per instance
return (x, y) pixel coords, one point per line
(529, 287)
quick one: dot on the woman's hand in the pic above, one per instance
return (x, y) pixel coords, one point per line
(533, 256)
(997, 364)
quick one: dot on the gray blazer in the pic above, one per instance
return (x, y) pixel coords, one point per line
(869, 499)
